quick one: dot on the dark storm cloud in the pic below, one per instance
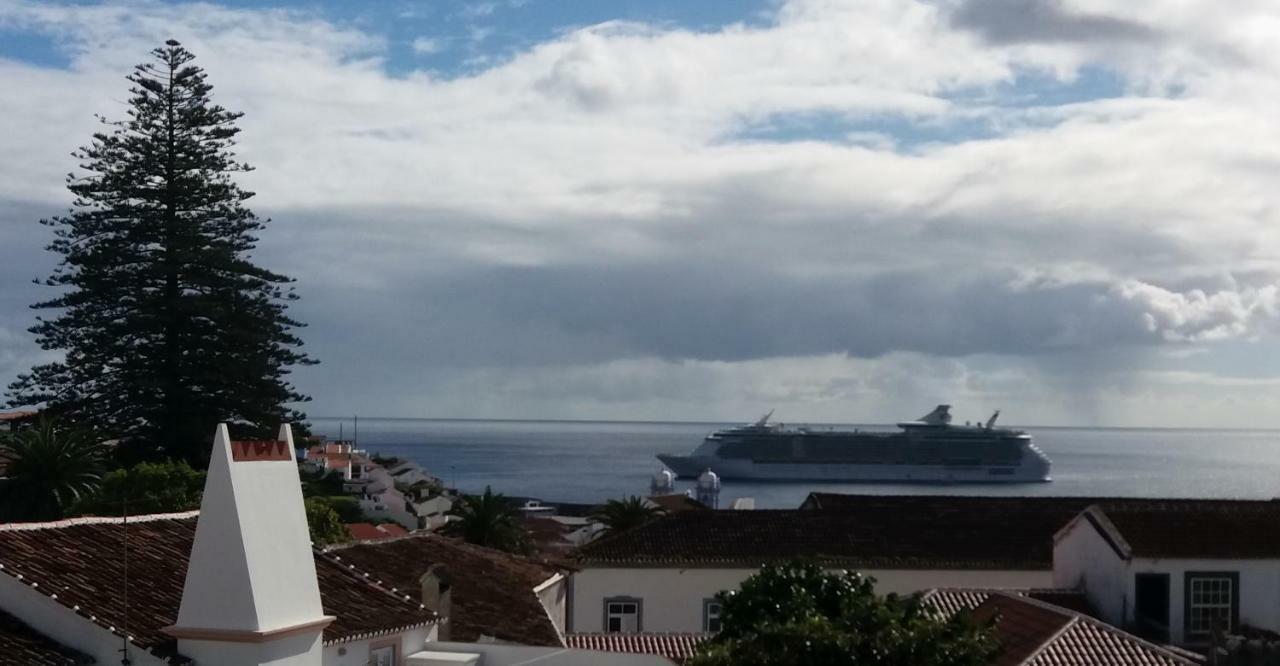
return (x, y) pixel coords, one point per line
(1027, 21)
(725, 312)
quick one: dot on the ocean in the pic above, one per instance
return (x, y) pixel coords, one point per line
(591, 461)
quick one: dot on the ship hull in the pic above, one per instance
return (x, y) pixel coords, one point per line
(745, 469)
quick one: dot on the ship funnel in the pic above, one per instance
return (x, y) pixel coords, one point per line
(941, 415)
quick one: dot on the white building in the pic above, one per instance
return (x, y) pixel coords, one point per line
(663, 576)
(1176, 570)
(237, 582)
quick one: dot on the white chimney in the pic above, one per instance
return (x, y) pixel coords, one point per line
(437, 596)
(251, 595)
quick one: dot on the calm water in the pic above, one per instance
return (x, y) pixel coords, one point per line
(575, 461)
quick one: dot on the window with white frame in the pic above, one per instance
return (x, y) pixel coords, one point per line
(1212, 602)
(711, 616)
(622, 615)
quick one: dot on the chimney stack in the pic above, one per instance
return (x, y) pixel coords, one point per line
(437, 595)
(251, 595)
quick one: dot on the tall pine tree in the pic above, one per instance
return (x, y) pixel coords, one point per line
(166, 325)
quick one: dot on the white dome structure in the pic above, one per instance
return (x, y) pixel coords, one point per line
(709, 488)
(663, 482)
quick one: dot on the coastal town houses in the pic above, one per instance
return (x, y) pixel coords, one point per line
(238, 582)
(1177, 570)
(395, 490)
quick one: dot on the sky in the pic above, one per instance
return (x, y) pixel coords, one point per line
(844, 210)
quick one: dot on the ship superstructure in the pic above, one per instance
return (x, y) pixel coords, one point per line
(927, 450)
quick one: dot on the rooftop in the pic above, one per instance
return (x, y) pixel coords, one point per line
(1033, 633)
(493, 592)
(20, 644)
(1190, 529)
(371, 532)
(78, 562)
(676, 647)
(952, 600)
(883, 534)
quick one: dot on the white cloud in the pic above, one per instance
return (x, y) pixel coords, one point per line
(428, 45)
(624, 145)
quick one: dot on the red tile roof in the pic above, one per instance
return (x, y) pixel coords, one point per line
(492, 590)
(80, 561)
(371, 532)
(676, 647)
(951, 600)
(1190, 529)
(20, 644)
(1035, 633)
(883, 535)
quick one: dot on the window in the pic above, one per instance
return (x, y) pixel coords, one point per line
(1212, 603)
(710, 616)
(622, 615)
(383, 656)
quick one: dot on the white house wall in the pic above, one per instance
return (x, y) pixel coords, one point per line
(672, 599)
(64, 626)
(1083, 560)
(1259, 589)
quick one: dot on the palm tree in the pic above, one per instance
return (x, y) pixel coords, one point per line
(619, 515)
(488, 520)
(49, 469)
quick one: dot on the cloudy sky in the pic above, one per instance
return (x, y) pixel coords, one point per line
(848, 210)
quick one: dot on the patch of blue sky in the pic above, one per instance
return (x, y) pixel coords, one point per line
(1035, 88)
(457, 37)
(883, 131)
(452, 38)
(978, 114)
(32, 47)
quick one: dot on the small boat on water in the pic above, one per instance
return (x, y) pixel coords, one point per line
(927, 450)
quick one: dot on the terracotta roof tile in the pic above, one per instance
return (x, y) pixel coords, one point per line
(492, 590)
(1198, 529)
(1034, 633)
(951, 600)
(20, 644)
(881, 535)
(676, 647)
(1023, 628)
(81, 561)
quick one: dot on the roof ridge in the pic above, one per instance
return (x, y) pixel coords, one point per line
(97, 520)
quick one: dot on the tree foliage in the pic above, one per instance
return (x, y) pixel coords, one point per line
(166, 326)
(50, 468)
(798, 614)
(488, 520)
(149, 487)
(324, 523)
(619, 515)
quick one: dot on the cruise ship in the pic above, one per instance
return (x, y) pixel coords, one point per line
(928, 450)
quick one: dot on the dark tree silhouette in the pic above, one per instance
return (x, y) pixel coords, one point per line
(619, 515)
(488, 520)
(166, 325)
